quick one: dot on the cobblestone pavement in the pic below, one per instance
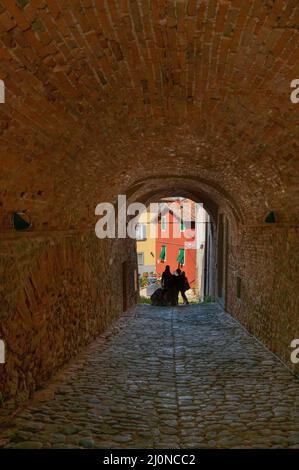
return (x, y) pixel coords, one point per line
(165, 377)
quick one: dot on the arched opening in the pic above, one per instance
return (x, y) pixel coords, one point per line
(173, 232)
(224, 216)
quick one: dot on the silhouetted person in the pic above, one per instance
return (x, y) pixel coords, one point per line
(166, 277)
(168, 283)
(176, 278)
(183, 285)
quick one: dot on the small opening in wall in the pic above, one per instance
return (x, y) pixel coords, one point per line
(239, 287)
(21, 221)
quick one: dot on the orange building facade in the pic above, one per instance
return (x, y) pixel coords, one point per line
(176, 242)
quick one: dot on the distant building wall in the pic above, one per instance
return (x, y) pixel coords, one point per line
(165, 237)
(146, 247)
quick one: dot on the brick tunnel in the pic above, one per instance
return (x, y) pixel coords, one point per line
(145, 99)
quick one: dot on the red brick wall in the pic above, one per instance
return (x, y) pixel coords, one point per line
(58, 293)
(267, 261)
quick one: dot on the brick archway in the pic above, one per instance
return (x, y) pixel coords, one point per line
(105, 98)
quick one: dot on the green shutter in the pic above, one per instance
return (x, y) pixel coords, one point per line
(182, 225)
(181, 257)
(163, 222)
(162, 255)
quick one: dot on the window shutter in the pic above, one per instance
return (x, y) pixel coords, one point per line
(181, 257)
(162, 255)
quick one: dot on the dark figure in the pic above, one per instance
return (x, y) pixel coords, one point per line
(176, 282)
(169, 285)
(166, 278)
(183, 286)
(161, 297)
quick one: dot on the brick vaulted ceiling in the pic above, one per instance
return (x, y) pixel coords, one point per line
(101, 94)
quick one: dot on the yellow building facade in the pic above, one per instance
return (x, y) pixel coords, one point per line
(146, 245)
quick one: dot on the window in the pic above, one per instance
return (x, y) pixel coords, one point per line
(140, 259)
(163, 223)
(162, 255)
(182, 225)
(141, 232)
(181, 257)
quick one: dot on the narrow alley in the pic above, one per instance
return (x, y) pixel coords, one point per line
(186, 377)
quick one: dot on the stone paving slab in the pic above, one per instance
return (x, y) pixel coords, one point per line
(185, 377)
